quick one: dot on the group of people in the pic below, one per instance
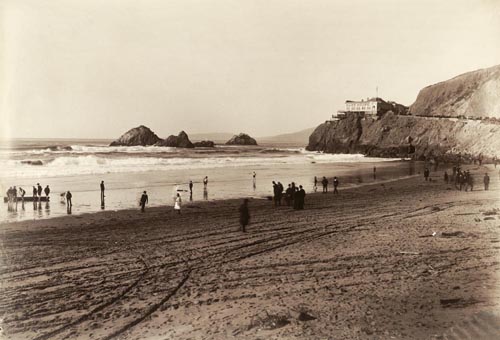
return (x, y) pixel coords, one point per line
(325, 182)
(463, 179)
(13, 193)
(294, 196)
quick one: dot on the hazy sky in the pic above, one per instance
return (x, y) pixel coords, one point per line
(95, 69)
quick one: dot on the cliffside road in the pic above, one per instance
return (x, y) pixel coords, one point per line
(360, 265)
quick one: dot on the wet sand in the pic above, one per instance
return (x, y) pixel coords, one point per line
(359, 265)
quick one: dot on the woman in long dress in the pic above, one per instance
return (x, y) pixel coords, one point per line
(178, 202)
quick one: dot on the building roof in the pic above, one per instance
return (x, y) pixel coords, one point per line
(374, 99)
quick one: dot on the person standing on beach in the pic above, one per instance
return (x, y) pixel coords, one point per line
(296, 200)
(426, 174)
(254, 179)
(486, 181)
(446, 179)
(335, 185)
(244, 215)
(178, 202)
(276, 189)
(374, 172)
(280, 192)
(315, 187)
(205, 182)
(191, 188)
(69, 204)
(22, 192)
(302, 197)
(289, 195)
(143, 201)
(325, 185)
(39, 190)
(102, 192)
(470, 180)
(34, 192)
(47, 192)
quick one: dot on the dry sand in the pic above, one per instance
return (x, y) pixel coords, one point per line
(360, 265)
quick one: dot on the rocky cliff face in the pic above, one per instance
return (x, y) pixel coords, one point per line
(179, 141)
(473, 94)
(241, 139)
(390, 136)
(141, 135)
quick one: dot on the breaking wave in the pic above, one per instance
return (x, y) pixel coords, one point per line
(93, 164)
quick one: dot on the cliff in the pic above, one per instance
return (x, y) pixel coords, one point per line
(390, 136)
(141, 135)
(473, 94)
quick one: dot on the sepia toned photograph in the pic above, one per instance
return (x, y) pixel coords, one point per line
(250, 169)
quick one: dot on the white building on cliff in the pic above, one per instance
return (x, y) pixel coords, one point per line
(372, 107)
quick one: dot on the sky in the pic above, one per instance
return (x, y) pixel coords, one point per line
(94, 69)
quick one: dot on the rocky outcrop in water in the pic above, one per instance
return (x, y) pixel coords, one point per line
(241, 139)
(37, 162)
(474, 94)
(204, 144)
(179, 141)
(437, 135)
(141, 135)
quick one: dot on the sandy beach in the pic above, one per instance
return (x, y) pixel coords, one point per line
(406, 259)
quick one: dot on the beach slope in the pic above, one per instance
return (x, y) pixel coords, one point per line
(406, 259)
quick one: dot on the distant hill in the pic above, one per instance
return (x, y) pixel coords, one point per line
(300, 137)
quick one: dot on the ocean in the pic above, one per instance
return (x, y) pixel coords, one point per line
(80, 165)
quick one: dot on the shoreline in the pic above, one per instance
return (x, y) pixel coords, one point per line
(362, 265)
(189, 205)
(122, 190)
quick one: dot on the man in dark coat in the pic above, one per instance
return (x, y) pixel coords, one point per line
(335, 185)
(244, 215)
(39, 189)
(102, 192)
(302, 196)
(276, 191)
(296, 199)
(486, 181)
(325, 184)
(426, 174)
(69, 204)
(144, 200)
(280, 192)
